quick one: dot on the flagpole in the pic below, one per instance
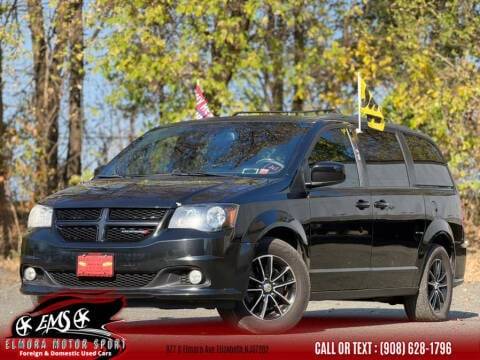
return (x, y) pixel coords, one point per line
(359, 102)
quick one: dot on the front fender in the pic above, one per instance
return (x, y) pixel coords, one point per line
(272, 219)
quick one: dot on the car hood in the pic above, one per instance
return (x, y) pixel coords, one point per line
(153, 192)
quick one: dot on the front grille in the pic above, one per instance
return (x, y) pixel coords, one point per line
(137, 214)
(184, 280)
(116, 224)
(78, 233)
(70, 279)
(77, 214)
(127, 234)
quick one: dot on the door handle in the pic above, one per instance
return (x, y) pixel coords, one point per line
(381, 204)
(362, 204)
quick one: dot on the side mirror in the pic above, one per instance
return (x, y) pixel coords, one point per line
(326, 173)
(98, 170)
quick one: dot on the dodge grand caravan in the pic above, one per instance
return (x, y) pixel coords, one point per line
(255, 216)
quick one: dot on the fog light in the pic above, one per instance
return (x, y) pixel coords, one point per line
(195, 277)
(29, 274)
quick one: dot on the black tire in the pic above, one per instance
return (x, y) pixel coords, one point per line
(227, 316)
(280, 315)
(426, 305)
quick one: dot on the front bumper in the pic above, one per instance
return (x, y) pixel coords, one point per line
(150, 272)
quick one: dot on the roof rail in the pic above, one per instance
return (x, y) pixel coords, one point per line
(292, 112)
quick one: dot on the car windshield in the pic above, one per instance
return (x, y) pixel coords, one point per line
(240, 149)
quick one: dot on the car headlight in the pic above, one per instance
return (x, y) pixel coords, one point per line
(40, 216)
(208, 217)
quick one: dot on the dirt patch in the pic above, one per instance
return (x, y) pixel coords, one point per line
(472, 272)
(9, 271)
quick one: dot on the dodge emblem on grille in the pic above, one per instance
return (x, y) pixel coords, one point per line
(134, 231)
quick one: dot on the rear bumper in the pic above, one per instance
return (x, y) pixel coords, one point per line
(457, 282)
(460, 262)
(151, 272)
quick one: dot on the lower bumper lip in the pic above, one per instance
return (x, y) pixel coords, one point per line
(164, 294)
(223, 261)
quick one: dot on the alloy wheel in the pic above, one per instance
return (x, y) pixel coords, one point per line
(271, 288)
(437, 285)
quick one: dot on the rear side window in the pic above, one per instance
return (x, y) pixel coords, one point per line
(383, 155)
(335, 145)
(430, 167)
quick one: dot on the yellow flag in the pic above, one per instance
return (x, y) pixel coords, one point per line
(369, 108)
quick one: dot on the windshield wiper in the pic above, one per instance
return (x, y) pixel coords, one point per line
(174, 172)
(195, 173)
(113, 176)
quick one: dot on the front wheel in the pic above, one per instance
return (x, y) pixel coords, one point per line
(432, 302)
(277, 294)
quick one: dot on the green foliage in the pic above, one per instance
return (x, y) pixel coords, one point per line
(423, 55)
(433, 82)
(157, 50)
(87, 175)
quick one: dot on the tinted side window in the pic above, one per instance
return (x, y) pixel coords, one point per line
(383, 155)
(430, 167)
(334, 145)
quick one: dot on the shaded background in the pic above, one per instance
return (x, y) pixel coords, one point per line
(80, 79)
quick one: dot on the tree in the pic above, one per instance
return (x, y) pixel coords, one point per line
(257, 55)
(275, 44)
(9, 227)
(73, 163)
(48, 61)
(228, 41)
(299, 34)
(159, 49)
(426, 55)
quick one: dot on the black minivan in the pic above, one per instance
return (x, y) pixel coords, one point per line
(255, 215)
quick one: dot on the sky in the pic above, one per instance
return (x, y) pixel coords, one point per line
(101, 120)
(105, 131)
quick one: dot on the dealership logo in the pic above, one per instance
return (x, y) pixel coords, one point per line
(62, 322)
(66, 318)
(23, 326)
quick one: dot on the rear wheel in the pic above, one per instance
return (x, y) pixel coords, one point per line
(432, 302)
(277, 294)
